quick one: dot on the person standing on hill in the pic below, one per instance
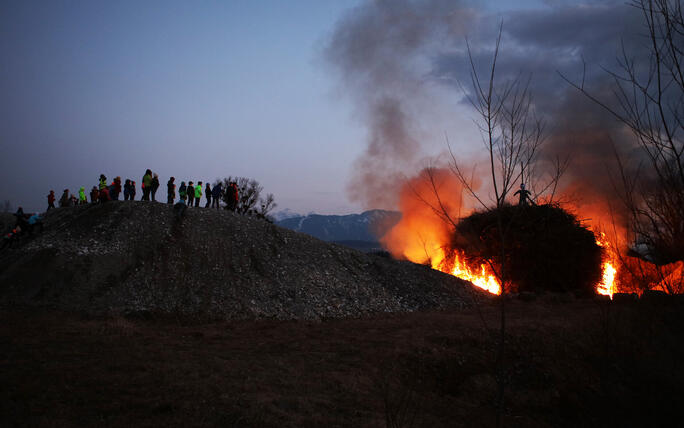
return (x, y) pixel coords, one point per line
(217, 192)
(198, 193)
(103, 182)
(524, 196)
(155, 186)
(127, 189)
(51, 200)
(147, 185)
(65, 199)
(190, 191)
(104, 195)
(94, 195)
(233, 196)
(115, 189)
(132, 190)
(81, 196)
(170, 190)
(207, 192)
(181, 191)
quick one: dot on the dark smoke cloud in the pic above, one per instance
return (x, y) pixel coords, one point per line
(386, 53)
(379, 51)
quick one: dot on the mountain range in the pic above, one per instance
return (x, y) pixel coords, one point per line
(360, 231)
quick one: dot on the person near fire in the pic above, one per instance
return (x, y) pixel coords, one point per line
(198, 193)
(170, 190)
(51, 200)
(524, 195)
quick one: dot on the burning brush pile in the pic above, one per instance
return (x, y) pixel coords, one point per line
(538, 248)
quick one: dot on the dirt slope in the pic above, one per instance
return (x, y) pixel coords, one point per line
(127, 257)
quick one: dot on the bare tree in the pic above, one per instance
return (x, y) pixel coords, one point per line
(649, 99)
(267, 205)
(511, 132)
(250, 201)
(512, 135)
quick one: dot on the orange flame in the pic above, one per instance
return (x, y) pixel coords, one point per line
(422, 237)
(607, 286)
(482, 278)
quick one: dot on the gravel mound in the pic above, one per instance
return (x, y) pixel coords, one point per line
(135, 257)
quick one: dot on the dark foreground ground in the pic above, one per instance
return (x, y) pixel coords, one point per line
(569, 363)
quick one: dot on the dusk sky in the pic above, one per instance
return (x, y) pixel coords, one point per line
(203, 90)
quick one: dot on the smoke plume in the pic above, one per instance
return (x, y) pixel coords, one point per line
(390, 56)
(381, 53)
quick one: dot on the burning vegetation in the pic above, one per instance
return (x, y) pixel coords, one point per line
(609, 146)
(545, 248)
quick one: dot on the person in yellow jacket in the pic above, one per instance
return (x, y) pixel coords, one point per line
(82, 196)
(198, 193)
(147, 185)
(103, 182)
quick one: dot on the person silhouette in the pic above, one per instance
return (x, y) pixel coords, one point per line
(524, 195)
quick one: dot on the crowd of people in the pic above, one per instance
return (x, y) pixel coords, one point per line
(189, 194)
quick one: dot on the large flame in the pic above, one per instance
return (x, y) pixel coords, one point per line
(482, 277)
(422, 236)
(607, 286)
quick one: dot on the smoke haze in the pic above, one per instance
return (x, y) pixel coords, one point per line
(389, 56)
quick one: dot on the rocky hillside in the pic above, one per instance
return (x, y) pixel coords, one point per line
(131, 257)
